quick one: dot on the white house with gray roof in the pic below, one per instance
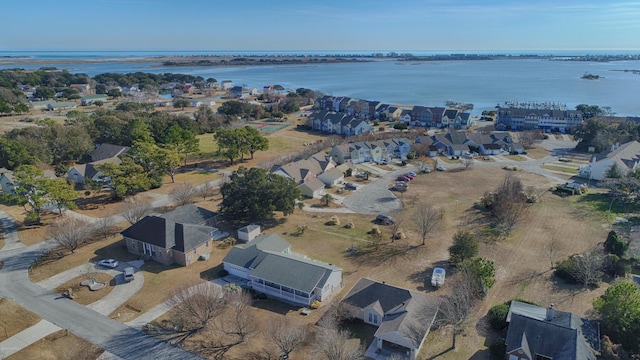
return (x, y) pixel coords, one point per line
(626, 157)
(403, 317)
(270, 267)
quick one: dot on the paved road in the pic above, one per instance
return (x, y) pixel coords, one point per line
(113, 336)
(376, 198)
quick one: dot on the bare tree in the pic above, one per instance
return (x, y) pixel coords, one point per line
(395, 227)
(427, 218)
(70, 233)
(183, 194)
(194, 307)
(530, 137)
(466, 163)
(206, 190)
(231, 328)
(333, 343)
(135, 208)
(104, 227)
(287, 336)
(454, 309)
(587, 268)
(553, 247)
(507, 203)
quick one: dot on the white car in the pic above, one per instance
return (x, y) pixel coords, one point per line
(110, 263)
(441, 168)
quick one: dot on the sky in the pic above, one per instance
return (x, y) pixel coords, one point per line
(342, 25)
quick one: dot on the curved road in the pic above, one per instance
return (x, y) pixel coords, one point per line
(111, 335)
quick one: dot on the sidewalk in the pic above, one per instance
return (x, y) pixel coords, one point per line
(26, 337)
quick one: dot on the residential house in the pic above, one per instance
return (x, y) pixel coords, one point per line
(226, 85)
(361, 109)
(382, 109)
(331, 178)
(405, 116)
(52, 105)
(8, 182)
(315, 119)
(437, 113)
(354, 152)
(240, 92)
(344, 107)
(458, 149)
(313, 188)
(332, 123)
(269, 267)
(356, 127)
(92, 99)
(626, 157)
(373, 109)
(421, 116)
(80, 173)
(403, 317)
(393, 113)
(106, 151)
(515, 148)
(299, 171)
(248, 233)
(489, 149)
(180, 236)
(545, 119)
(82, 88)
(538, 333)
(402, 148)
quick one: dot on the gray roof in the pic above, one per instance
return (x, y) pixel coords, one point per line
(190, 214)
(313, 184)
(249, 228)
(266, 257)
(105, 151)
(403, 310)
(90, 169)
(564, 336)
(165, 232)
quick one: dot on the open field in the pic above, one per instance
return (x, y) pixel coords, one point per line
(59, 345)
(30, 234)
(14, 318)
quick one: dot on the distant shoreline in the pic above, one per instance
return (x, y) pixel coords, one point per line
(243, 60)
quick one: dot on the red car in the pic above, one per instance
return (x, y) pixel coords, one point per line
(403, 178)
(409, 176)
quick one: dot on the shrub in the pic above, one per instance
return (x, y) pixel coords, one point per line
(615, 245)
(616, 266)
(315, 304)
(564, 270)
(334, 220)
(497, 316)
(498, 349)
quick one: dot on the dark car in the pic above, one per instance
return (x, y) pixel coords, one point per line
(350, 186)
(385, 219)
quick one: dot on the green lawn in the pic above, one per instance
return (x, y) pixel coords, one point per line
(208, 146)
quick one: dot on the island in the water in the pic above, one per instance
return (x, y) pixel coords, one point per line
(589, 76)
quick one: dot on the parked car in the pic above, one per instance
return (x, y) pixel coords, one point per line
(438, 276)
(110, 263)
(350, 186)
(403, 178)
(361, 175)
(128, 274)
(409, 176)
(411, 173)
(441, 168)
(385, 219)
(427, 170)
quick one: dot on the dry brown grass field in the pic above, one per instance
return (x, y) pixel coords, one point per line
(14, 318)
(59, 345)
(83, 295)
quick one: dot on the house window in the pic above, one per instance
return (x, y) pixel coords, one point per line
(373, 318)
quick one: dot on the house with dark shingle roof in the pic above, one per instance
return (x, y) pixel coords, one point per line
(403, 317)
(538, 333)
(269, 267)
(105, 151)
(180, 236)
(80, 173)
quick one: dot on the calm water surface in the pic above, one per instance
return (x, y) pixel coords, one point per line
(484, 83)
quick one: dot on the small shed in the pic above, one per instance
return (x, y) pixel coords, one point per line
(248, 233)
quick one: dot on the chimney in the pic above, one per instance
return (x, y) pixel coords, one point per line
(551, 313)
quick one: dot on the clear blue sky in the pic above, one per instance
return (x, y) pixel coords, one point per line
(320, 25)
